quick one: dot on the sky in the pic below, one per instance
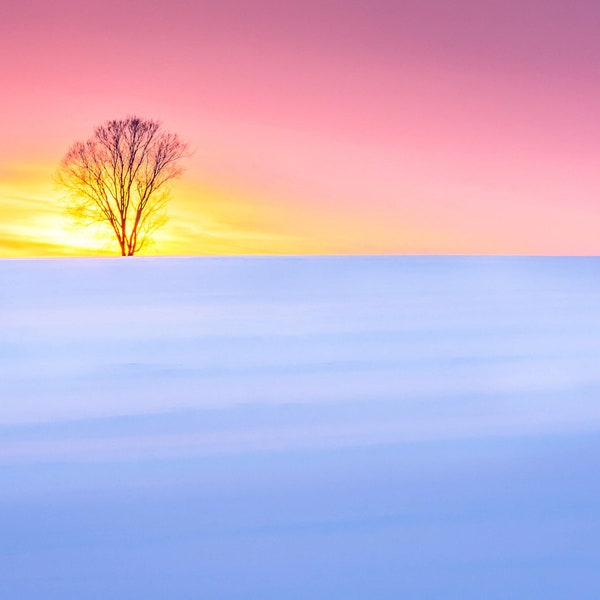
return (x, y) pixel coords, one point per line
(321, 126)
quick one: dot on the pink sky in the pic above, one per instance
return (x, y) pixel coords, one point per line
(320, 126)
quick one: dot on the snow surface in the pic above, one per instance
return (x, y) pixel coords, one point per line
(300, 427)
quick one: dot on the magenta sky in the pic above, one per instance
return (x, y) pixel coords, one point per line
(321, 126)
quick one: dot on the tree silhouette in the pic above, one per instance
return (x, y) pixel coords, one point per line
(120, 177)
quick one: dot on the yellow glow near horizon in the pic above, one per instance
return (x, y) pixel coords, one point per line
(201, 221)
(33, 220)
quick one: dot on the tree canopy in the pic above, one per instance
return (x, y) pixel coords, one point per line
(120, 177)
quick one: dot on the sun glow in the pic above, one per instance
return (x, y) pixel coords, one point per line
(202, 220)
(34, 222)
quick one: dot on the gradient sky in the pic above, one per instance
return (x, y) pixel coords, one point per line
(327, 126)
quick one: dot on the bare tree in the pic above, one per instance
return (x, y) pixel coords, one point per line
(120, 177)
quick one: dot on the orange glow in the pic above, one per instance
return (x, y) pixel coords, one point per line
(222, 219)
(201, 221)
